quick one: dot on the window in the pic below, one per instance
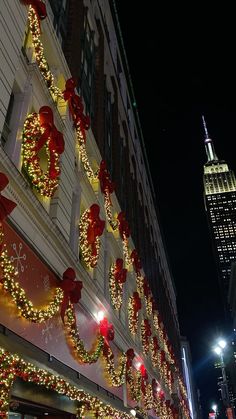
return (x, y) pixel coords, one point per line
(87, 82)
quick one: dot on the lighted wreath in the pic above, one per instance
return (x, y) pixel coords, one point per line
(91, 228)
(39, 135)
(146, 332)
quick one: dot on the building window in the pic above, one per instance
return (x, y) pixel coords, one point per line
(6, 127)
(108, 128)
(87, 82)
(60, 14)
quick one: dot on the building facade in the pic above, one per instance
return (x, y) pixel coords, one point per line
(220, 203)
(89, 324)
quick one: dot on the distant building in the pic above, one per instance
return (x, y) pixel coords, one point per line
(220, 204)
(193, 393)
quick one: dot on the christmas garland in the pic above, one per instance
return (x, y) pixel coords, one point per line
(91, 228)
(115, 377)
(39, 54)
(84, 356)
(18, 295)
(134, 305)
(39, 133)
(117, 278)
(12, 366)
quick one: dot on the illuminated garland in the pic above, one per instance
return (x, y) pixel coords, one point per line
(154, 350)
(145, 335)
(89, 256)
(42, 181)
(107, 205)
(126, 253)
(117, 277)
(12, 366)
(39, 54)
(139, 283)
(87, 357)
(148, 304)
(133, 309)
(116, 378)
(18, 295)
(134, 383)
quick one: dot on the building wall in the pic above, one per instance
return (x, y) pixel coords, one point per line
(50, 225)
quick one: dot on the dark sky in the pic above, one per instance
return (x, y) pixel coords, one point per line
(181, 62)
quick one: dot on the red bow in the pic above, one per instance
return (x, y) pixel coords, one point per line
(55, 137)
(38, 6)
(146, 288)
(120, 273)
(72, 290)
(105, 182)
(107, 330)
(136, 261)
(6, 205)
(76, 107)
(123, 225)
(95, 228)
(136, 302)
(144, 375)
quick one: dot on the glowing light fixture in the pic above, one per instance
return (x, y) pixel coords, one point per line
(133, 412)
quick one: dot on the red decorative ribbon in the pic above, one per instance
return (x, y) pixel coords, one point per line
(72, 290)
(146, 288)
(129, 358)
(120, 273)
(6, 205)
(55, 137)
(105, 182)
(137, 305)
(95, 228)
(123, 225)
(107, 330)
(76, 107)
(39, 8)
(136, 261)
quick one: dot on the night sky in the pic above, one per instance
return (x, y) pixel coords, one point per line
(181, 63)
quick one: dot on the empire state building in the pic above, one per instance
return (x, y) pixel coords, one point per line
(220, 204)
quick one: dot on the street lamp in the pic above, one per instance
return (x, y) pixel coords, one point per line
(214, 408)
(218, 349)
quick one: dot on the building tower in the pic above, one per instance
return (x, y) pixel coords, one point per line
(220, 204)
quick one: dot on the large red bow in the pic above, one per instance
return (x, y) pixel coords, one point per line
(107, 330)
(95, 228)
(105, 182)
(6, 205)
(123, 225)
(144, 375)
(136, 261)
(120, 273)
(55, 137)
(72, 290)
(76, 107)
(38, 6)
(137, 302)
(163, 356)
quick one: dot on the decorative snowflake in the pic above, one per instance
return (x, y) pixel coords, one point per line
(19, 257)
(46, 283)
(46, 331)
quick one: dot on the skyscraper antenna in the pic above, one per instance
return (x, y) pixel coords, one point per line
(205, 127)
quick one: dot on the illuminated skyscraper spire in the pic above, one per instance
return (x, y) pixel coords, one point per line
(211, 155)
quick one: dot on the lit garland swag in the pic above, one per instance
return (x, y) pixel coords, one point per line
(12, 366)
(37, 11)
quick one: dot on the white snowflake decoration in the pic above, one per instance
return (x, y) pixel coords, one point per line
(19, 257)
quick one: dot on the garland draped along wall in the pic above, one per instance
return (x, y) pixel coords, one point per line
(40, 133)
